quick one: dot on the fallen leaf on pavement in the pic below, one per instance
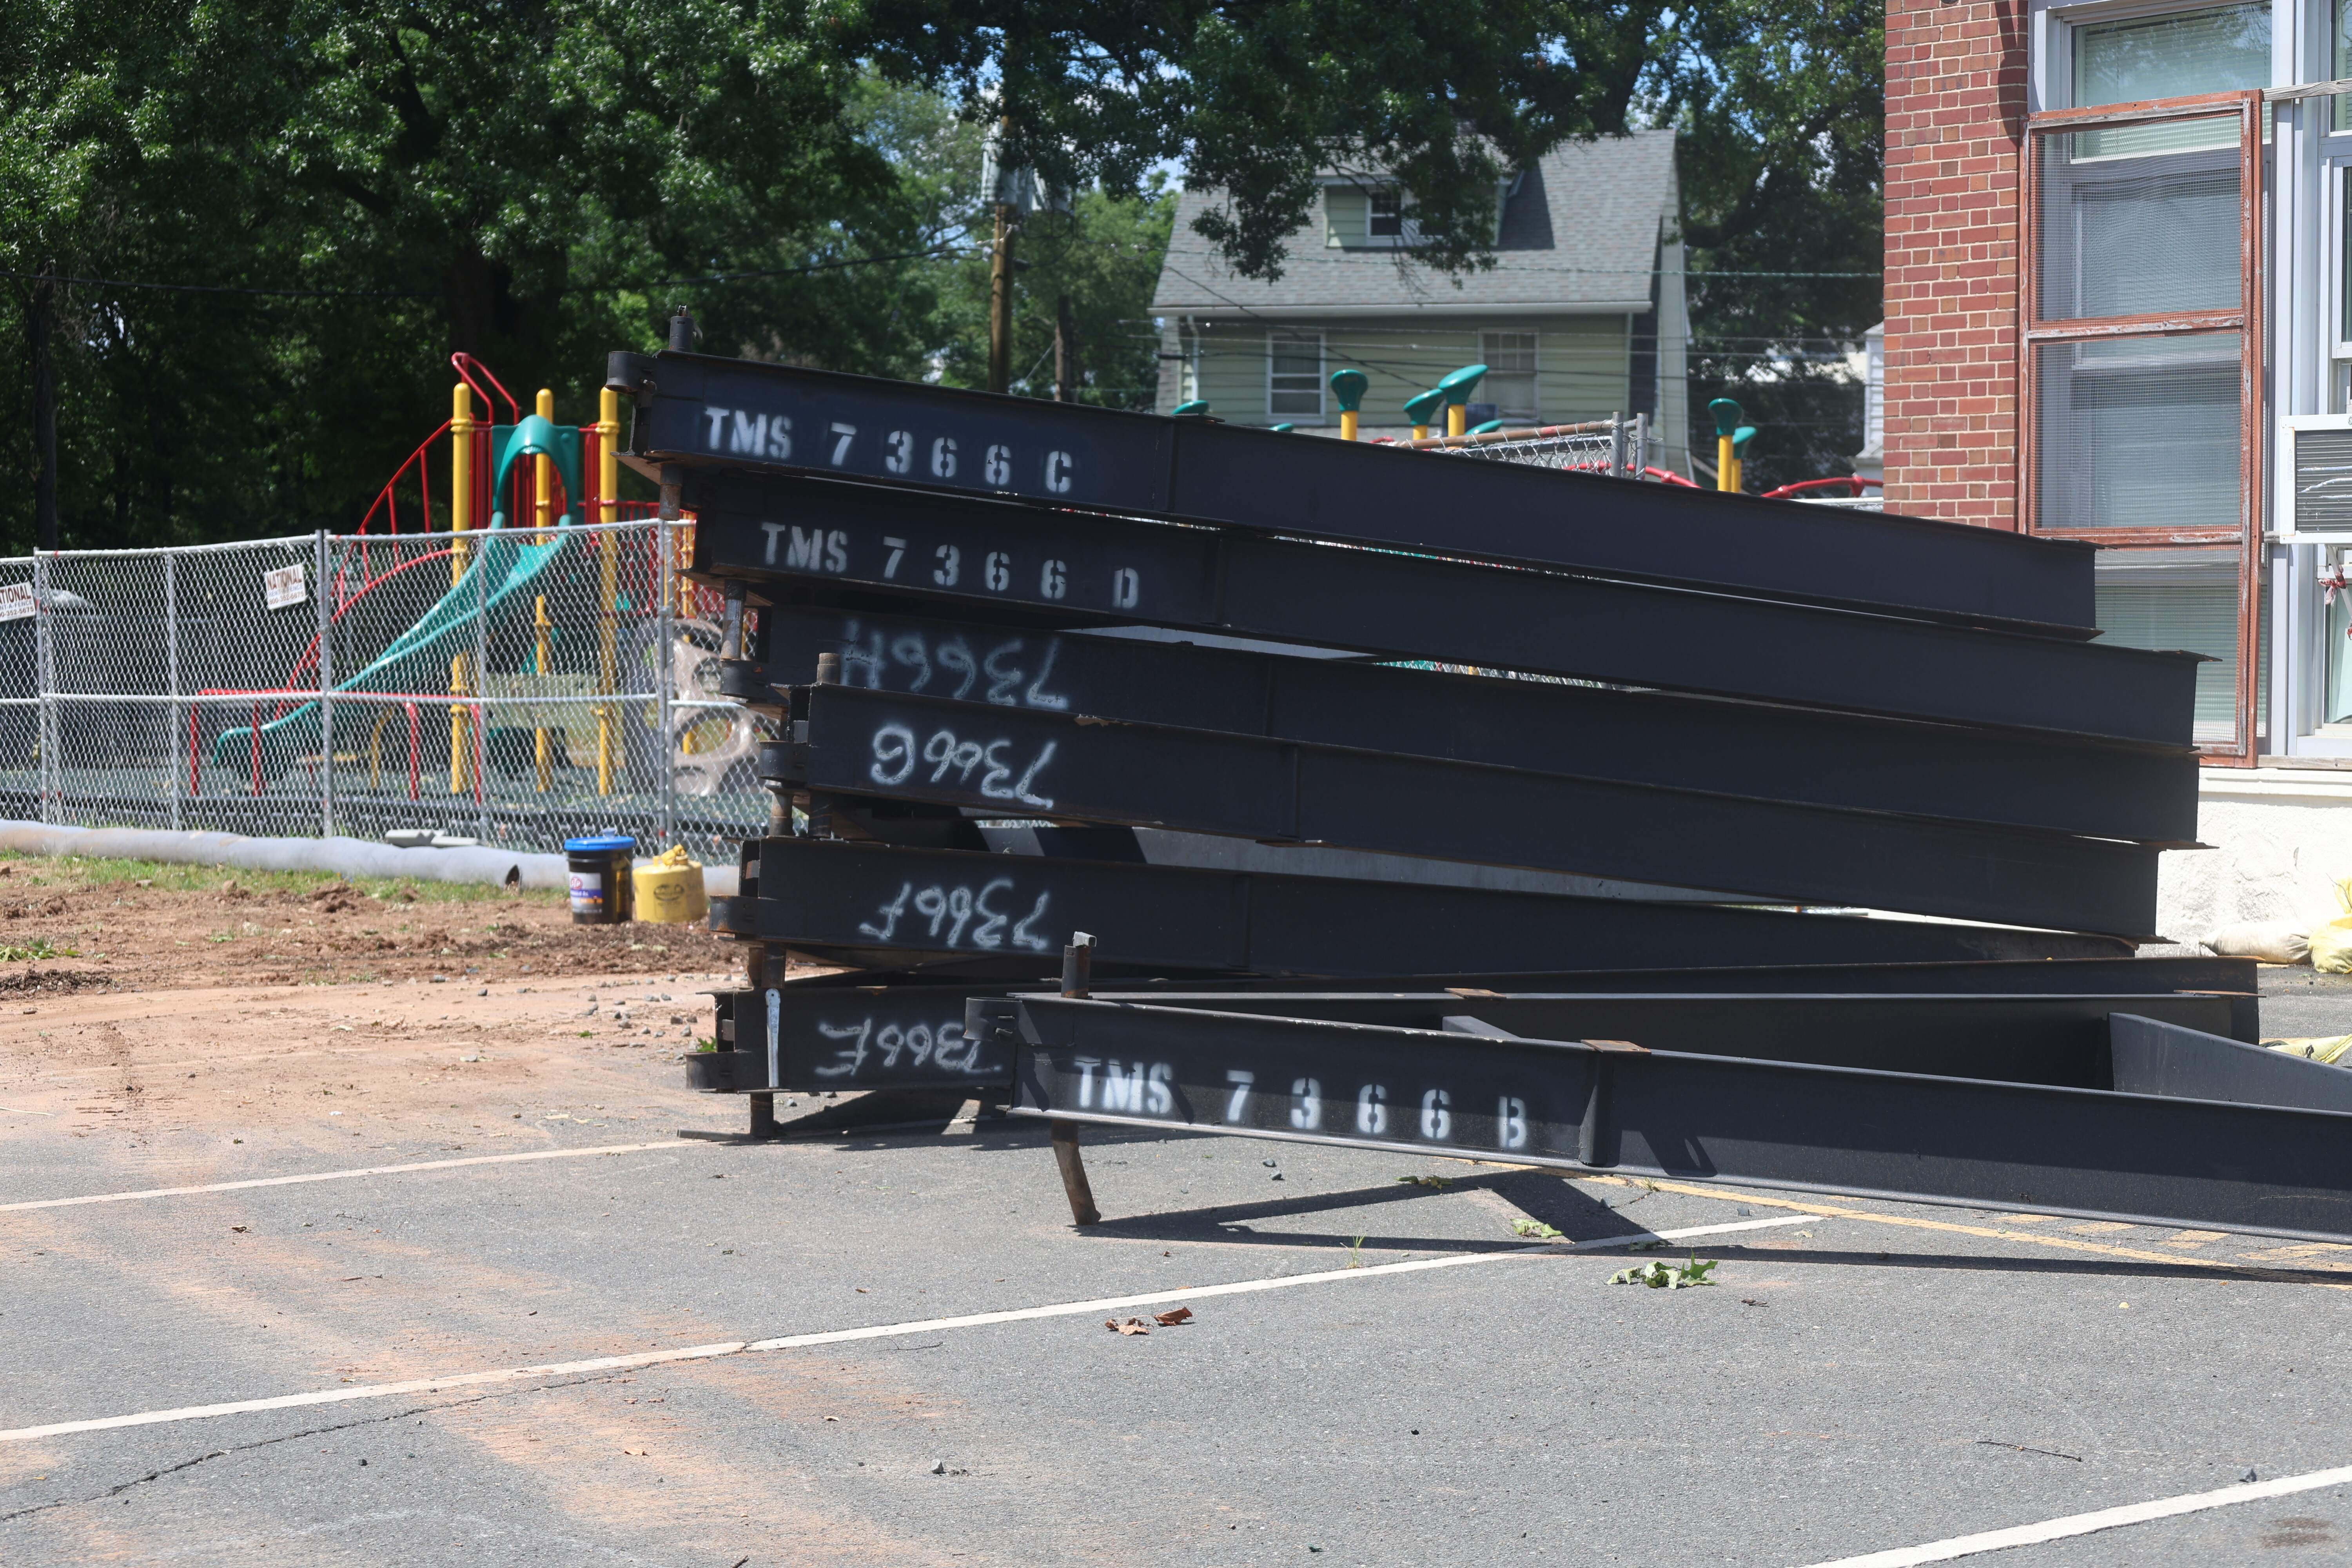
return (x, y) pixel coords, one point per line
(1171, 1319)
(1132, 1326)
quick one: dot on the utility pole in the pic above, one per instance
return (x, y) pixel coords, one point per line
(1000, 276)
(1066, 352)
(45, 415)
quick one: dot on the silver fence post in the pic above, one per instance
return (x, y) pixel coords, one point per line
(664, 629)
(1641, 445)
(45, 673)
(321, 592)
(1616, 446)
(481, 739)
(177, 761)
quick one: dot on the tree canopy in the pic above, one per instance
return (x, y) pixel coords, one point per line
(249, 232)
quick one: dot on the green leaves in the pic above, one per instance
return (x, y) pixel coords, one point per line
(1660, 1276)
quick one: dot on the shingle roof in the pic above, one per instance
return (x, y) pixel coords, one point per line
(1580, 234)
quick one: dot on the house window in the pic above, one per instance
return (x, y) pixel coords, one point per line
(1387, 219)
(1510, 383)
(1294, 374)
(2171, 56)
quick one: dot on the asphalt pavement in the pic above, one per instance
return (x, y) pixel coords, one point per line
(1866, 1376)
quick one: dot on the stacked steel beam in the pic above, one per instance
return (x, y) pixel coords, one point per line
(1276, 717)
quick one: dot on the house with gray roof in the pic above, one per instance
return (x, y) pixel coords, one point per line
(1581, 316)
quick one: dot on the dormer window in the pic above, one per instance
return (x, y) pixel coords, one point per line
(1387, 218)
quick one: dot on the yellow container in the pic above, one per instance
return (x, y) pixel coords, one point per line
(669, 889)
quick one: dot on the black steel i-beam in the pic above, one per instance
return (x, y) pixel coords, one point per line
(1800, 756)
(883, 905)
(1022, 761)
(799, 1038)
(702, 410)
(908, 546)
(2150, 1158)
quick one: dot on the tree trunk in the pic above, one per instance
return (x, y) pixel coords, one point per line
(1066, 352)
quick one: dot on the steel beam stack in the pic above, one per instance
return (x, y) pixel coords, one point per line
(1343, 755)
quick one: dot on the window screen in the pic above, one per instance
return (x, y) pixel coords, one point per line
(2137, 432)
(1386, 213)
(2165, 598)
(1510, 380)
(2127, 232)
(1294, 374)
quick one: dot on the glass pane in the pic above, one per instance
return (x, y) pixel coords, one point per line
(1507, 354)
(2127, 231)
(2137, 432)
(2169, 598)
(1297, 353)
(2173, 56)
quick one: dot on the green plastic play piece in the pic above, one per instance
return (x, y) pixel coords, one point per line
(1286, 425)
(1349, 387)
(1458, 384)
(1185, 410)
(1726, 416)
(1490, 426)
(1423, 410)
(1739, 439)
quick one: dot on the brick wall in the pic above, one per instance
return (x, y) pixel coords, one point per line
(1956, 76)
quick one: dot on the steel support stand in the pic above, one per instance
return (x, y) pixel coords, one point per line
(1078, 969)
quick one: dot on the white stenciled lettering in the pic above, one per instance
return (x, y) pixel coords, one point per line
(955, 654)
(1157, 1098)
(943, 456)
(1437, 1117)
(1125, 588)
(1086, 1066)
(751, 434)
(810, 549)
(990, 932)
(807, 552)
(851, 1057)
(947, 754)
(841, 437)
(1240, 1079)
(780, 438)
(898, 548)
(908, 650)
(999, 468)
(1122, 1087)
(894, 756)
(1058, 472)
(999, 574)
(1022, 936)
(1511, 1122)
(889, 913)
(718, 417)
(774, 531)
(1373, 1109)
(950, 563)
(1055, 580)
(1306, 1104)
(898, 451)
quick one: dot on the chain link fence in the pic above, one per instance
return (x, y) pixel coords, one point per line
(1616, 446)
(513, 686)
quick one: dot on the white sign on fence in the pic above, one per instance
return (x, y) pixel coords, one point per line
(282, 587)
(15, 600)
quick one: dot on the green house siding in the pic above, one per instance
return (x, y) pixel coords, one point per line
(1582, 364)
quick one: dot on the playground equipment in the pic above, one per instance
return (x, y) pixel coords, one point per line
(524, 524)
(1457, 386)
(1420, 410)
(1731, 438)
(1348, 388)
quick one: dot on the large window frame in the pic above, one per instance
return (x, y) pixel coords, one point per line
(2035, 330)
(1296, 339)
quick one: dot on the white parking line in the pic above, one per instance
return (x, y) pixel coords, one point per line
(342, 1175)
(2091, 1523)
(883, 1330)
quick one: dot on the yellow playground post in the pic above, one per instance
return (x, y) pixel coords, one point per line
(608, 509)
(539, 625)
(461, 505)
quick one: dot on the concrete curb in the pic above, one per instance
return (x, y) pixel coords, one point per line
(342, 856)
